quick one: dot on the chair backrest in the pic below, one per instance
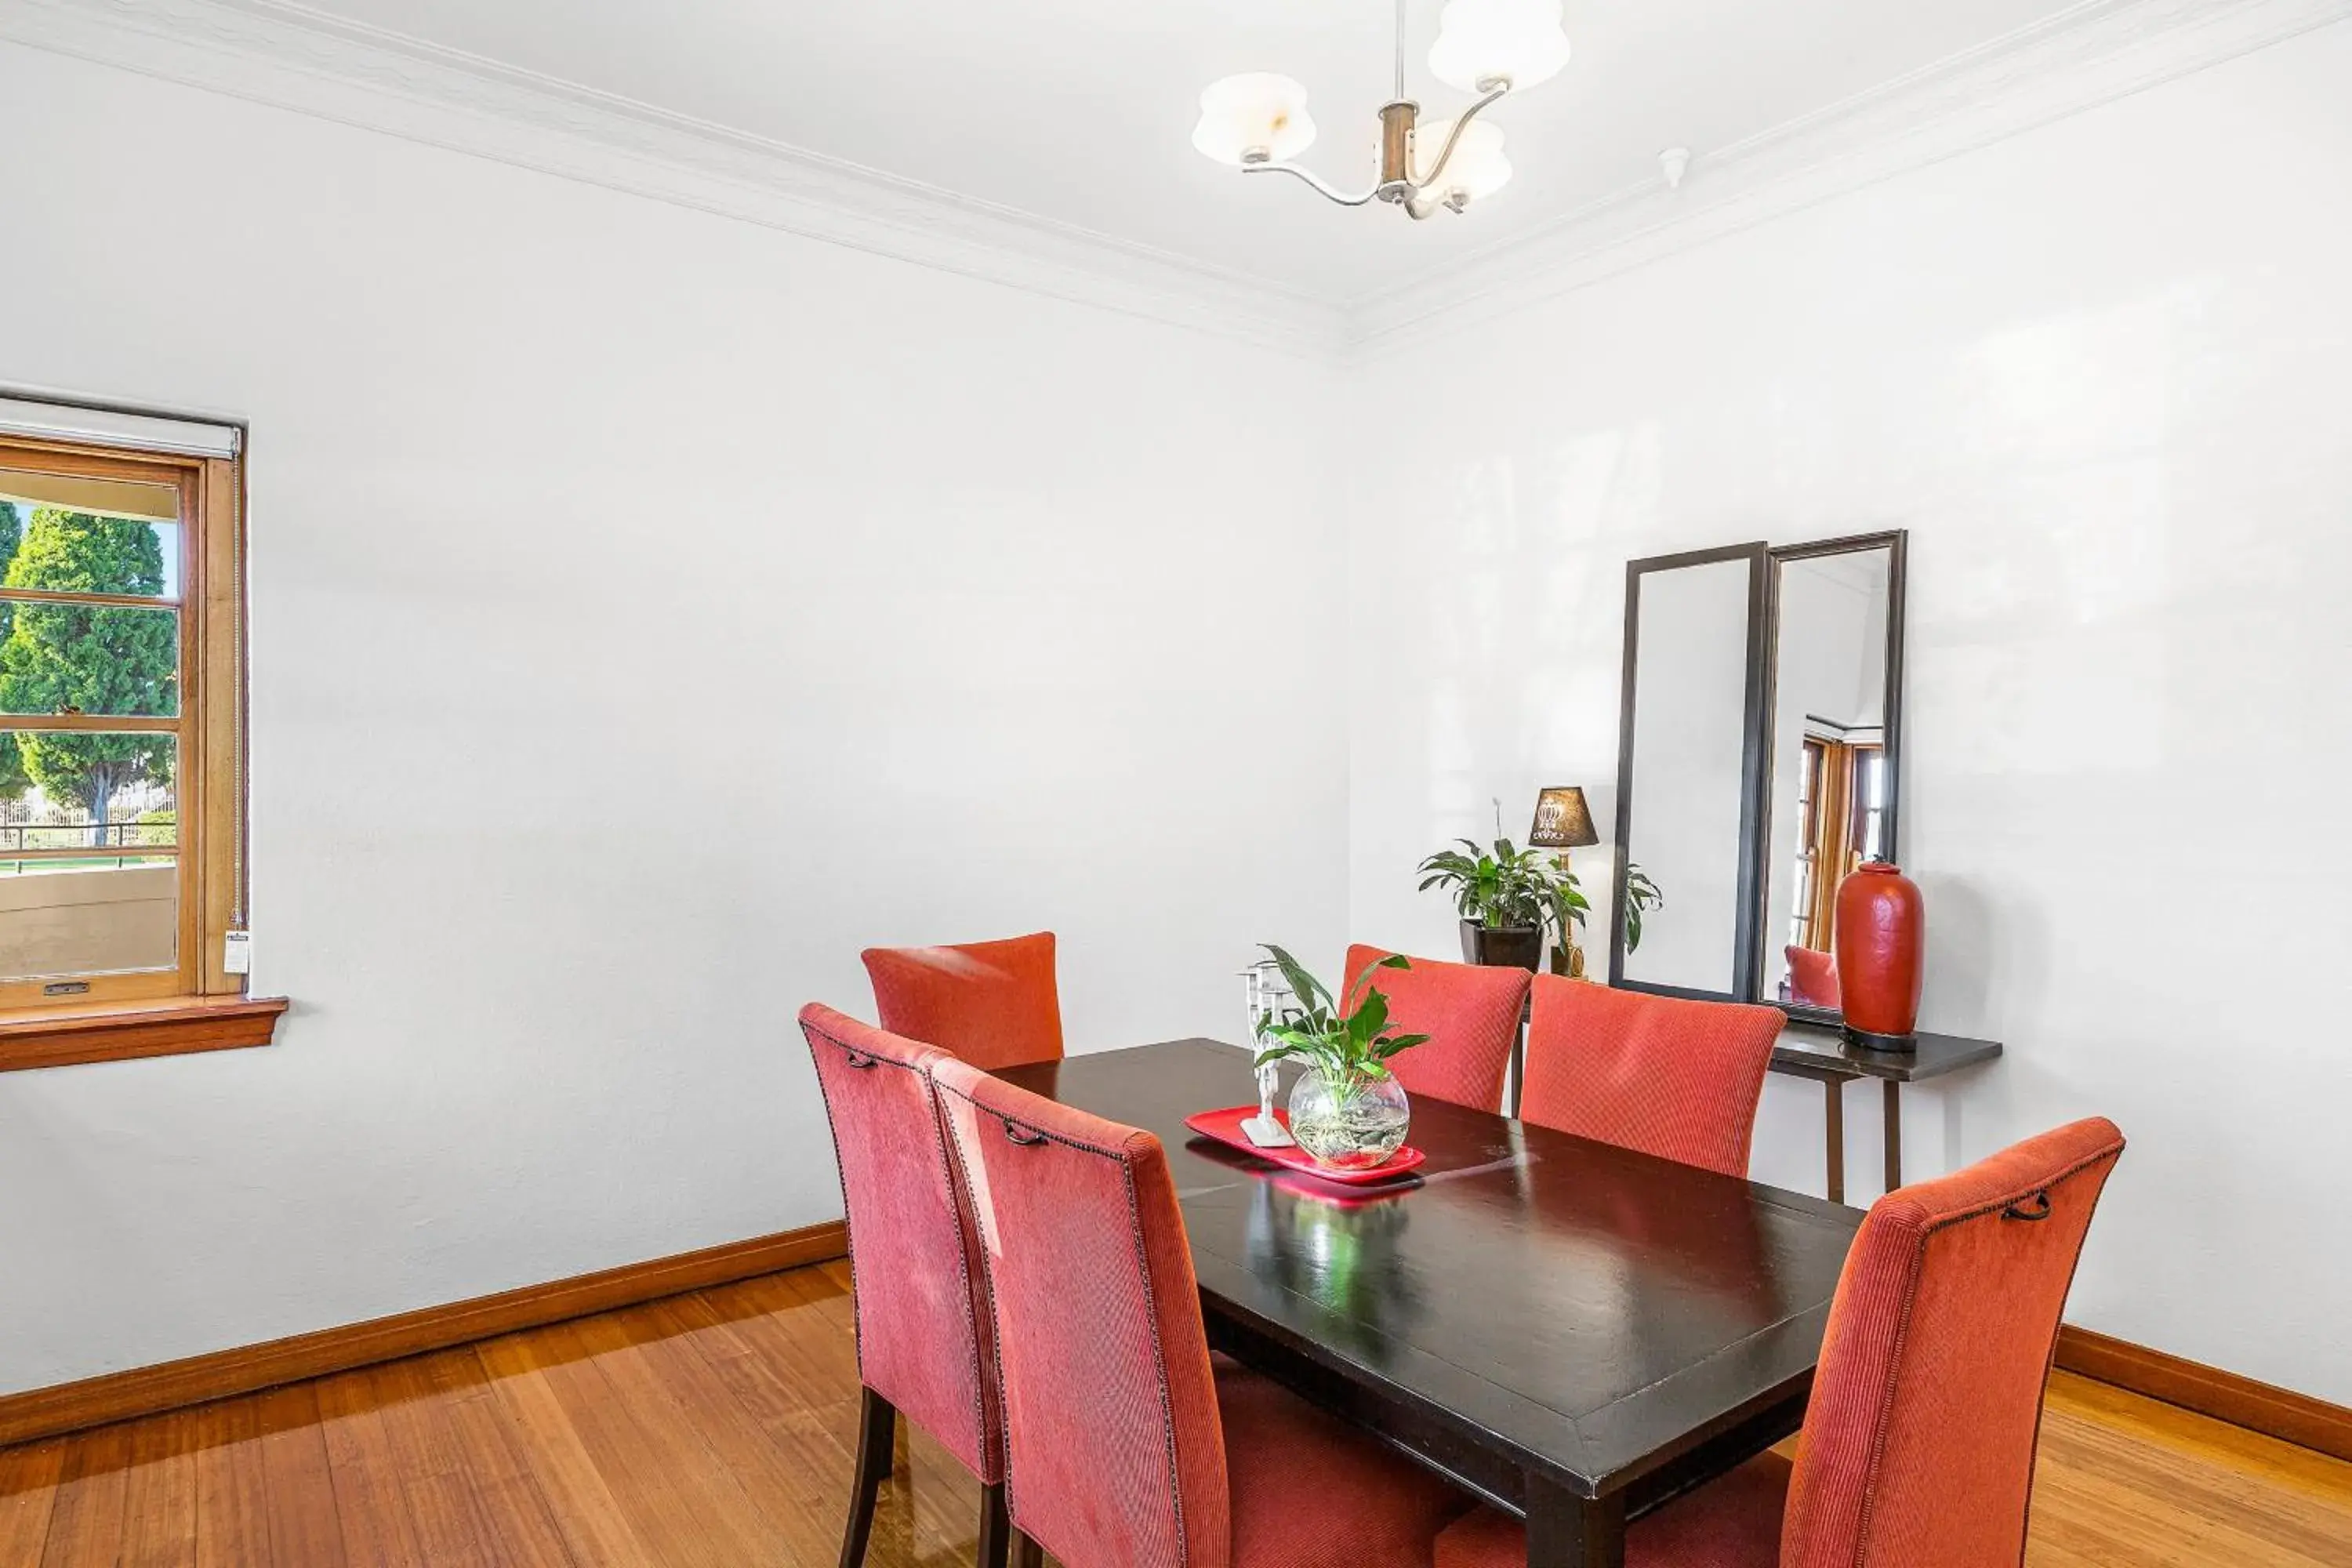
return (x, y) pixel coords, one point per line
(1918, 1445)
(1659, 1074)
(1470, 1013)
(993, 1003)
(923, 1332)
(1812, 976)
(1115, 1453)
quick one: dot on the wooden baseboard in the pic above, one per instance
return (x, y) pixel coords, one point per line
(2209, 1390)
(147, 1390)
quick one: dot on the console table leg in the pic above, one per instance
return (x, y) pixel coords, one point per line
(1833, 1112)
(1893, 1134)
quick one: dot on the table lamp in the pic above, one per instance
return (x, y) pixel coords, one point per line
(1563, 822)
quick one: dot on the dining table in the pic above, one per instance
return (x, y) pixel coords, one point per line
(1571, 1330)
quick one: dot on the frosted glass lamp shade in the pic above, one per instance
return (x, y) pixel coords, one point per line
(1520, 41)
(1257, 111)
(1477, 167)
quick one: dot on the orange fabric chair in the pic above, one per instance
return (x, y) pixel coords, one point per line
(1919, 1446)
(1470, 1013)
(1126, 1446)
(1678, 1080)
(992, 1004)
(1812, 976)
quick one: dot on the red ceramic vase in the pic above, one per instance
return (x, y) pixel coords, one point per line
(1881, 930)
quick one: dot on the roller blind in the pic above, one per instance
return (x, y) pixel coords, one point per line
(143, 432)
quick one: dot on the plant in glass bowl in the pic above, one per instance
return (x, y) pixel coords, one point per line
(1347, 1109)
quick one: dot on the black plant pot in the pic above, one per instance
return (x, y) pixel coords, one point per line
(1502, 947)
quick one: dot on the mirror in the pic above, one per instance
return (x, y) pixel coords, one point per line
(1835, 685)
(1689, 761)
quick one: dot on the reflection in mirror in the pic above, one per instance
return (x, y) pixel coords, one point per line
(1832, 802)
(1682, 791)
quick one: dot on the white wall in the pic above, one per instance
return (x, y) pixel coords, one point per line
(2099, 371)
(650, 610)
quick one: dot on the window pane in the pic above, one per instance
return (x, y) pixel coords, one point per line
(78, 896)
(109, 661)
(69, 551)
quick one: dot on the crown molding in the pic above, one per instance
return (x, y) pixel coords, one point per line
(2088, 55)
(288, 56)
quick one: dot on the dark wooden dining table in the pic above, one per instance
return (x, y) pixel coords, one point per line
(1573, 1330)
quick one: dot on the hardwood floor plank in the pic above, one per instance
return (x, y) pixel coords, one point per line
(485, 1450)
(596, 1530)
(86, 1528)
(659, 1474)
(232, 1487)
(306, 1525)
(369, 1487)
(159, 1494)
(445, 1515)
(28, 1496)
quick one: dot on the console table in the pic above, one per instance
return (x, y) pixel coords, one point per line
(1823, 1053)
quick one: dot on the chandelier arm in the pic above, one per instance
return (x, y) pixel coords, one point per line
(1461, 123)
(1321, 186)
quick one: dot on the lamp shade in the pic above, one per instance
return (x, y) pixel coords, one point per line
(1517, 41)
(1562, 820)
(1477, 167)
(1257, 111)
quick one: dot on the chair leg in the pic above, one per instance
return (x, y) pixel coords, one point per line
(1026, 1554)
(995, 1526)
(878, 1423)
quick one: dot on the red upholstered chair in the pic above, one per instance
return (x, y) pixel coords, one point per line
(923, 1347)
(1470, 1013)
(991, 1003)
(1919, 1446)
(1678, 1080)
(1812, 976)
(1125, 1445)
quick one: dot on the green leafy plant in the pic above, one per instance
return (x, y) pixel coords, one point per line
(1641, 895)
(1498, 888)
(1345, 1044)
(1564, 906)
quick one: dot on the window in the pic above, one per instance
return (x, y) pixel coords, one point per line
(1842, 821)
(122, 733)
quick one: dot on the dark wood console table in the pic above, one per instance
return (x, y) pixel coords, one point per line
(1823, 1053)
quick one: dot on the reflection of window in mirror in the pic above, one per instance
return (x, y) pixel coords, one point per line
(1841, 817)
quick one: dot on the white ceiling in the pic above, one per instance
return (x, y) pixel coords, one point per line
(1080, 110)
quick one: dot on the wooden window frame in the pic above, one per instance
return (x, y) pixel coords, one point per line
(196, 1004)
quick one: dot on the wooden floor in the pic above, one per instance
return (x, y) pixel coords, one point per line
(716, 1429)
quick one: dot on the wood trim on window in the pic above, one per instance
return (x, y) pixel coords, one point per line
(195, 1004)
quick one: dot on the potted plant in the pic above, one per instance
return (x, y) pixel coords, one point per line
(1347, 1109)
(1504, 896)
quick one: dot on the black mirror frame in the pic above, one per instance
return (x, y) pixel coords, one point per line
(1897, 544)
(1747, 945)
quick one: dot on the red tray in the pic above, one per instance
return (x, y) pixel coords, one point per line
(1225, 1127)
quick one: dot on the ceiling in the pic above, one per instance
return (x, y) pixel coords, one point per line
(1080, 112)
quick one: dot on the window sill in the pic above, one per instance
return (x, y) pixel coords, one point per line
(116, 1031)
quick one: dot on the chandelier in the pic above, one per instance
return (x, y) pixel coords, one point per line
(1258, 123)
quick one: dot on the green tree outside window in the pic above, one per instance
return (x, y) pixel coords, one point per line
(104, 660)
